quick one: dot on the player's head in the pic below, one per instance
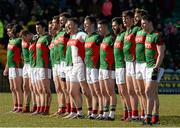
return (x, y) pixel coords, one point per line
(55, 23)
(128, 18)
(9, 30)
(117, 25)
(90, 24)
(16, 29)
(40, 27)
(63, 19)
(26, 35)
(138, 15)
(147, 22)
(103, 27)
(73, 24)
(50, 28)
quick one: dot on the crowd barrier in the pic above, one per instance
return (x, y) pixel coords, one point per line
(170, 83)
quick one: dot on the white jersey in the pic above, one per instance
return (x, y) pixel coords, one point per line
(77, 47)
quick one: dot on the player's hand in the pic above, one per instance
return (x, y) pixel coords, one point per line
(5, 72)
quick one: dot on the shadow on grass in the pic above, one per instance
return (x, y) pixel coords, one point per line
(172, 120)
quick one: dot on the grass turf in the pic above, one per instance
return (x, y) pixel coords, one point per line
(169, 115)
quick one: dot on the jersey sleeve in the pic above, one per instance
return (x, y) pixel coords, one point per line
(159, 40)
(81, 36)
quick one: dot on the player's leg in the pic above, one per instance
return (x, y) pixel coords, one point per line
(17, 81)
(110, 88)
(13, 92)
(62, 78)
(140, 80)
(130, 80)
(26, 88)
(84, 86)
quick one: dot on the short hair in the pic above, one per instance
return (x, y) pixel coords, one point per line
(150, 19)
(75, 20)
(104, 22)
(92, 19)
(16, 29)
(65, 14)
(24, 33)
(117, 20)
(10, 25)
(41, 23)
(141, 11)
(56, 18)
(50, 22)
(128, 13)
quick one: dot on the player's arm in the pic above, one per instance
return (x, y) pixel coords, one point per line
(160, 50)
(5, 72)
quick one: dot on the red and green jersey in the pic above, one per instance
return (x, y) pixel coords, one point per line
(32, 51)
(51, 49)
(42, 52)
(68, 58)
(60, 46)
(106, 53)
(92, 47)
(32, 54)
(129, 43)
(152, 40)
(140, 47)
(118, 51)
(14, 53)
(25, 51)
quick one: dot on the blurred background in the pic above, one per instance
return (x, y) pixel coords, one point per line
(27, 12)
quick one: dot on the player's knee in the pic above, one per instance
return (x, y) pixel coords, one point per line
(148, 92)
(131, 92)
(142, 92)
(98, 93)
(63, 79)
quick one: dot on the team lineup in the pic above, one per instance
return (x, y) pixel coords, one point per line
(89, 62)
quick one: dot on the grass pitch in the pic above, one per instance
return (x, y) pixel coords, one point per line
(169, 115)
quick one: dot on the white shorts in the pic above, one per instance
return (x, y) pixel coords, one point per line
(78, 73)
(26, 71)
(14, 72)
(106, 74)
(140, 71)
(61, 69)
(33, 76)
(92, 75)
(120, 75)
(149, 72)
(68, 70)
(55, 70)
(130, 69)
(43, 73)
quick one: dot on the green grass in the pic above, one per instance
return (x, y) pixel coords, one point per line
(169, 115)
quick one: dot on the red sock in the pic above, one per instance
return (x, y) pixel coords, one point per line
(148, 118)
(20, 107)
(129, 114)
(46, 109)
(135, 113)
(38, 108)
(63, 110)
(125, 114)
(155, 119)
(94, 111)
(68, 107)
(74, 110)
(34, 108)
(42, 109)
(142, 113)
